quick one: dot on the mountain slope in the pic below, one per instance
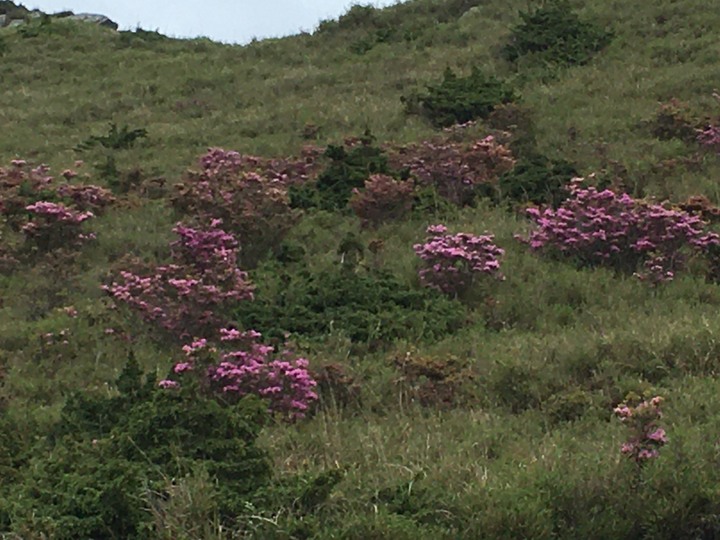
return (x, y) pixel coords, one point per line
(486, 415)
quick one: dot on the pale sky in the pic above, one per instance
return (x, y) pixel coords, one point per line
(232, 21)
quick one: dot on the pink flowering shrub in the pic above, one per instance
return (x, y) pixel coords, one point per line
(709, 137)
(646, 437)
(242, 365)
(20, 186)
(54, 226)
(382, 199)
(603, 228)
(459, 171)
(49, 215)
(86, 197)
(192, 295)
(451, 263)
(248, 193)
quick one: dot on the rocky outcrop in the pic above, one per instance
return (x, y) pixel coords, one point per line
(12, 15)
(95, 18)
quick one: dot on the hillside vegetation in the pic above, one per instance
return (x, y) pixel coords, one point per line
(447, 269)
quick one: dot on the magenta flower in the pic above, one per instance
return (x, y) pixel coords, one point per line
(645, 437)
(451, 263)
(247, 366)
(603, 228)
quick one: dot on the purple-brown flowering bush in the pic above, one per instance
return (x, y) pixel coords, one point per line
(459, 171)
(193, 295)
(645, 436)
(250, 195)
(54, 226)
(88, 197)
(709, 137)
(242, 365)
(50, 216)
(451, 263)
(382, 199)
(604, 228)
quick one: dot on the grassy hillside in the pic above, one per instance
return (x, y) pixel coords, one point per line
(489, 415)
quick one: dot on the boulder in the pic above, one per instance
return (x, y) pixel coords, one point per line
(95, 18)
(16, 22)
(3, 20)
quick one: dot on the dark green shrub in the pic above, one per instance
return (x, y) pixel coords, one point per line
(131, 38)
(460, 99)
(556, 35)
(568, 405)
(428, 202)
(362, 45)
(115, 139)
(358, 16)
(35, 27)
(422, 504)
(92, 477)
(348, 166)
(537, 179)
(367, 306)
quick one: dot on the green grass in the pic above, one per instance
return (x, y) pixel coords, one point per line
(503, 463)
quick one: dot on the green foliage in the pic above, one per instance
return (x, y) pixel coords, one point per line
(457, 100)
(555, 35)
(366, 306)
(140, 37)
(106, 451)
(538, 180)
(674, 121)
(348, 166)
(115, 139)
(568, 405)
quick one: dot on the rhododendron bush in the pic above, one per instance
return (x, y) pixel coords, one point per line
(451, 263)
(193, 294)
(604, 228)
(54, 225)
(382, 199)
(646, 437)
(709, 137)
(242, 365)
(459, 171)
(49, 214)
(248, 193)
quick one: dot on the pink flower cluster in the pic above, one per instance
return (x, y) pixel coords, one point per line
(248, 193)
(452, 262)
(710, 137)
(382, 199)
(646, 438)
(456, 169)
(86, 197)
(603, 228)
(54, 225)
(49, 215)
(193, 294)
(21, 185)
(244, 366)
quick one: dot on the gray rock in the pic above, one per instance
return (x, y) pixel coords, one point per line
(95, 18)
(16, 22)
(3, 20)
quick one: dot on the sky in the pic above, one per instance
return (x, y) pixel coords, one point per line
(230, 21)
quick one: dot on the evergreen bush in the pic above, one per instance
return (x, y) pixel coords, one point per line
(556, 35)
